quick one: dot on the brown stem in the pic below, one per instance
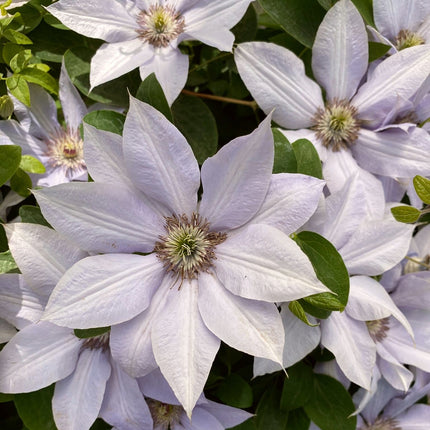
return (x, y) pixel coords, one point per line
(251, 104)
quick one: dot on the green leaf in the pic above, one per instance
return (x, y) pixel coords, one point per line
(298, 420)
(297, 309)
(300, 18)
(313, 310)
(422, 187)
(35, 409)
(20, 182)
(327, 263)
(285, 159)
(406, 214)
(308, 160)
(107, 120)
(327, 301)
(90, 332)
(39, 77)
(10, 157)
(20, 60)
(32, 215)
(5, 397)
(246, 28)
(365, 7)
(17, 37)
(268, 413)
(330, 405)
(195, 121)
(7, 263)
(377, 50)
(150, 92)
(235, 391)
(31, 165)
(9, 51)
(19, 88)
(327, 4)
(297, 388)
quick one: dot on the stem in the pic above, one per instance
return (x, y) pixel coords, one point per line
(199, 66)
(418, 262)
(251, 104)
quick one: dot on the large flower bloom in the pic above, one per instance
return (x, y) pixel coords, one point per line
(146, 34)
(218, 266)
(347, 128)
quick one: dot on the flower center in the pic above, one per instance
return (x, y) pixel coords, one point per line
(159, 25)
(417, 264)
(188, 246)
(406, 39)
(97, 342)
(378, 329)
(66, 150)
(336, 125)
(164, 416)
(382, 424)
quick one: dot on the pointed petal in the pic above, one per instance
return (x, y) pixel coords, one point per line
(74, 108)
(276, 79)
(41, 254)
(290, 201)
(209, 21)
(202, 419)
(107, 20)
(260, 262)
(226, 415)
(413, 291)
(131, 343)
(376, 246)
(116, 59)
(159, 159)
(155, 386)
(12, 133)
(183, 346)
(396, 78)
(235, 180)
(37, 356)
(104, 290)
(101, 217)
(393, 152)
(124, 405)
(415, 418)
(250, 326)
(300, 340)
(340, 51)
(78, 398)
(369, 301)
(19, 305)
(351, 344)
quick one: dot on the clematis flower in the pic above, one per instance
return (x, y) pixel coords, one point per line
(215, 266)
(345, 128)
(40, 134)
(88, 381)
(146, 34)
(167, 413)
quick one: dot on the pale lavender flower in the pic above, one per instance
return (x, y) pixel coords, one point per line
(40, 134)
(146, 34)
(343, 128)
(167, 413)
(88, 381)
(218, 264)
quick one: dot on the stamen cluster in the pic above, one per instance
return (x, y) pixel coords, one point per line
(382, 424)
(406, 39)
(336, 125)
(65, 149)
(378, 329)
(164, 415)
(160, 25)
(189, 245)
(97, 342)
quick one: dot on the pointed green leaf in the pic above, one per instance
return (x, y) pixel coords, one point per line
(10, 157)
(285, 160)
(32, 215)
(31, 165)
(90, 332)
(235, 391)
(20, 60)
(20, 182)
(377, 50)
(268, 414)
(308, 160)
(297, 309)
(17, 37)
(107, 120)
(365, 7)
(297, 387)
(422, 187)
(313, 310)
(7, 263)
(19, 88)
(406, 214)
(39, 77)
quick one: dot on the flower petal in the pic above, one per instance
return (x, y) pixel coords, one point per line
(183, 346)
(235, 180)
(41, 254)
(276, 79)
(202, 419)
(78, 398)
(124, 405)
(226, 415)
(340, 51)
(351, 344)
(159, 159)
(108, 20)
(101, 217)
(260, 262)
(37, 356)
(103, 290)
(248, 325)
